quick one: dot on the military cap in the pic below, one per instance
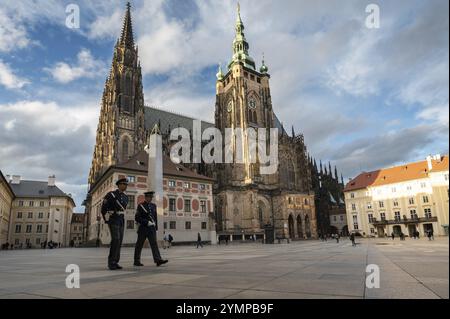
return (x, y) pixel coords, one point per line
(149, 193)
(122, 181)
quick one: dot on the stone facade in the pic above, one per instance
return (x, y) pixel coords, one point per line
(6, 199)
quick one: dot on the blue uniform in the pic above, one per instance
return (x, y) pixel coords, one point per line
(114, 204)
(145, 213)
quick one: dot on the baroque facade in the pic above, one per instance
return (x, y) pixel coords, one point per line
(246, 203)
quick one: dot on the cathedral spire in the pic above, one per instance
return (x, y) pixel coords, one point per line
(127, 38)
(293, 131)
(240, 45)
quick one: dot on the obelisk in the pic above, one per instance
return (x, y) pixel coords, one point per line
(155, 176)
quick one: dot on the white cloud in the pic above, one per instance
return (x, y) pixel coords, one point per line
(9, 79)
(12, 34)
(87, 66)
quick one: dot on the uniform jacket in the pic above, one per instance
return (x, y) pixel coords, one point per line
(111, 203)
(145, 213)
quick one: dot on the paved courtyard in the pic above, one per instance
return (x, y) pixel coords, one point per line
(300, 270)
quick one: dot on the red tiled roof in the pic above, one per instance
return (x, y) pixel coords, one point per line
(397, 174)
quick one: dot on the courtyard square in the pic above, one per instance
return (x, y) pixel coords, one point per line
(299, 270)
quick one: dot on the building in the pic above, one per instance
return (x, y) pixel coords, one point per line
(188, 201)
(402, 199)
(246, 203)
(41, 212)
(77, 229)
(6, 199)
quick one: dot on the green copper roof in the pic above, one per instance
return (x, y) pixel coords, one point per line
(240, 45)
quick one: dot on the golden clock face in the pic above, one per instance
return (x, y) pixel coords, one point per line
(230, 107)
(252, 104)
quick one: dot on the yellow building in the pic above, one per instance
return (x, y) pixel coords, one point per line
(6, 198)
(404, 199)
(40, 213)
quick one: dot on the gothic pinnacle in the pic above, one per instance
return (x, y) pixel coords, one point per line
(127, 38)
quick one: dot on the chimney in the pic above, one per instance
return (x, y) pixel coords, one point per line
(51, 180)
(429, 163)
(15, 179)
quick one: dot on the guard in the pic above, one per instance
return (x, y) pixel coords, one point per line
(147, 219)
(113, 211)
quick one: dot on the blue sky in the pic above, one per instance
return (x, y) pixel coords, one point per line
(363, 98)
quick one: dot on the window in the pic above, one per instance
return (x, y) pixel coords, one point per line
(46, 228)
(172, 183)
(19, 214)
(412, 213)
(369, 205)
(172, 207)
(446, 177)
(187, 205)
(48, 215)
(41, 204)
(383, 216)
(131, 179)
(394, 190)
(202, 186)
(188, 225)
(203, 206)
(30, 215)
(423, 185)
(39, 229)
(425, 199)
(165, 225)
(409, 187)
(355, 222)
(173, 225)
(31, 203)
(381, 204)
(18, 229)
(397, 216)
(334, 218)
(130, 224)
(411, 201)
(41, 215)
(20, 203)
(204, 224)
(370, 218)
(29, 228)
(395, 203)
(38, 241)
(353, 206)
(352, 195)
(131, 202)
(341, 218)
(427, 212)
(27, 241)
(187, 185)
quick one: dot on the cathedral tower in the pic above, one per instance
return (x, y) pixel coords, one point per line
(121, 130)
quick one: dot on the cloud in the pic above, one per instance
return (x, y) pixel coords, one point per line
(8, 79)
(43, 138)
(12, 35)
(87, 66)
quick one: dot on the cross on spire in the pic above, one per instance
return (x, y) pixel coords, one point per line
(127, 38)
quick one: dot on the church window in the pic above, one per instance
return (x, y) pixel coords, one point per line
(125, 149)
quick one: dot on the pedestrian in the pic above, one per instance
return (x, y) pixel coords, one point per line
(429, 234)
(352, 238)
(166, 241)
(393, 236)
(432, 234)
(147, 218)
(337, 238)
(170, 240)
(113, 211)
(199, 240)
(226, 239)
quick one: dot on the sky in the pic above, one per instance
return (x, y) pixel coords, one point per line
(363, 98)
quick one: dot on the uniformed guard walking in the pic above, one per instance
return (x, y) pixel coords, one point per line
(113, 211)
(147, 219)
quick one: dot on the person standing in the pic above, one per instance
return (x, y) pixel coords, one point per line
(393, 236)
(352, 238)
(146, 216)
(199, 240)
(113, 211)
(337, 238)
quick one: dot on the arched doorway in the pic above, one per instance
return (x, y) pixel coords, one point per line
(291, 227)
(307, 227)
(397, 230)
(300, 227)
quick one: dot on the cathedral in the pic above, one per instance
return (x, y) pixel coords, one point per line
(246, 204)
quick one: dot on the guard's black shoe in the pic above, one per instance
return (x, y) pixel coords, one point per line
(161, 262)
(138, 264)
(112, 267)
(119, 267)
